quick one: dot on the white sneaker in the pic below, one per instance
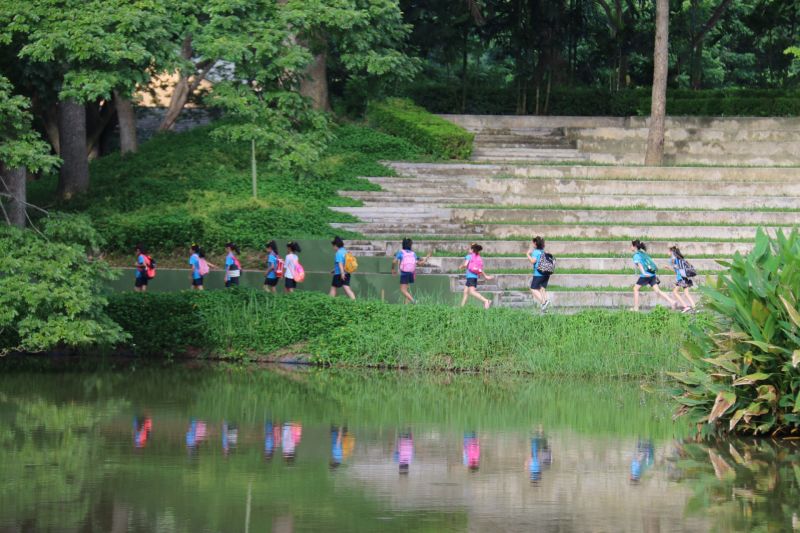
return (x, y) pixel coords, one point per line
(545, 305)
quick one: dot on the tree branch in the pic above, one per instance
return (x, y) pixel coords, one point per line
(711, 22)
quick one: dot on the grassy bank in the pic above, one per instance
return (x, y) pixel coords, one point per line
(191, 187)
(249, 323)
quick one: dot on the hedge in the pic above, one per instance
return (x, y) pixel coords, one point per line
(404, 119)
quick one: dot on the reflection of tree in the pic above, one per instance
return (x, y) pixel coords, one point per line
(50, 461)
(743, 485)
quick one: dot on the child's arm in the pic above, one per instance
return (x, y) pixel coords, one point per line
(487, 276)
(424, 261)
(529, 256)
(394, 263)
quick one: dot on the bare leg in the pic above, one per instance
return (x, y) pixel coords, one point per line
(676, 293)
(537, 295)
(406, 294)
(332, 292)
(689, 297)
(349, 292)
(666, 297)
(636, 297)
(464, 298)
(475, 294)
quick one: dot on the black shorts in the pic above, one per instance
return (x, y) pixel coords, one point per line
(406, 278)
(645, 281)
(141, 281)
(540, 282)
(232, 282)
(290, 283)
(271, 282)
(197, 282)
(339, 281)
(684, 283)
(472, 282)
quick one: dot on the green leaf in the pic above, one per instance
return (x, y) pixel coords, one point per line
(724, 401)
(793, 314)
(750, 379)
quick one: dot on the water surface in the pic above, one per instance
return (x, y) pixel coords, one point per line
(275, 449)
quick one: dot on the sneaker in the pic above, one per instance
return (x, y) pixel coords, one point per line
(545, 305)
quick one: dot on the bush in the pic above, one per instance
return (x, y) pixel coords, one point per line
(50, 291)
(433, 134)
(745, 375)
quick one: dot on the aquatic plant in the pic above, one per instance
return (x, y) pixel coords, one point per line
(744, 376)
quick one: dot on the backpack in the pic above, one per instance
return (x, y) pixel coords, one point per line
(408, 262)
(150, 266)
(686, 269)
(647, 262)
(202, 267)
(280, 267)
(237, 263)
(475, 264)
(299, 272)
(350, 263)
(547, 263)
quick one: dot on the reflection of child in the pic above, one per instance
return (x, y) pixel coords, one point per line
(642, 459)
(292, 433)
(541, 456)
(272, 439)
(405, 451)
(141, 431)
(196, 434)
(472, 452)
(230, 437)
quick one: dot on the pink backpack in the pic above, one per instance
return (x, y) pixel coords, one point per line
(408, 263)
(299, 272)
(475, 264)
(202, 267)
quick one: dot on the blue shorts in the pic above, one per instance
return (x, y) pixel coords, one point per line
(540, 282)
(339, 281)
(141, 281)
(232, 282)
(197, 282)
(648, 281)
(271, 282)
(407, 278)
(290, 283)
(472, 282)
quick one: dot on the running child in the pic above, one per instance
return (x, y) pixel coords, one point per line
(677, 264)
(341, 278)
(271, 279)
(142, 265)
(540, 280)
(473, 264)
(646, 269)
(233, 267)
(290, 283)
(200, 267)
(407, 262)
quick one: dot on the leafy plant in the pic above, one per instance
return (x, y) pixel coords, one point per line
(433, 134)
(744, 376)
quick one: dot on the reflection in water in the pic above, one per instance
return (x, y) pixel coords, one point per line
(272, 439)
(230, 437)
(472, 452)
(744, 485)
(196, 434)
(141, 430)
(643, 458)
(541, 456)
(342, 444)
(290, 439)
(404, 451)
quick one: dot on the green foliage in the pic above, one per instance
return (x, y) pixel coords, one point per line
(236, 323)
(50, 291)
(193, 187)
(21, 146)
(744, 376)
(433, 134)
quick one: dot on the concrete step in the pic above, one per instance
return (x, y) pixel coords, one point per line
(786, 159)
(569, 301)
(680, 201)
(680, 135)
(503, 282)
(598, 172)
(405, 213)
(382, 197)
(452, 264)
(639, 216)
(561, 247)
(514, 144)
(619, 231)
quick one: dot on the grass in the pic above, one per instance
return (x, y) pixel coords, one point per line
(241, 324)
(681, 224)
(190, 187)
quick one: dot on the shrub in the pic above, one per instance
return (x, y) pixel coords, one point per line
(50, 291)
(433, 134)
(744, 375)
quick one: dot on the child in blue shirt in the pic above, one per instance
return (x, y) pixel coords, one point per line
(271, 279)
(341, 278)
(473, 264)
(540, 280)
(406, 262)
(140, 284)
(677, 265)
(646, 279)
(197, 256)
(232, 265)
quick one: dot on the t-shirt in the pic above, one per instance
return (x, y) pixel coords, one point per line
(470, 275)
(291, 261)
(676, 263)
(194, 261)
(536, 255)
(339, 258)
(141, 271)
(399, 256)
(231, 271)
(272, 262)
(639, 260)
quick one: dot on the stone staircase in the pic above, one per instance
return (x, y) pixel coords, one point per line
(587, 213)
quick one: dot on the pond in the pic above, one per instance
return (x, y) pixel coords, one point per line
(213, 448)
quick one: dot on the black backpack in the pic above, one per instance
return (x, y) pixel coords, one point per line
(547, 264)
(687, 269)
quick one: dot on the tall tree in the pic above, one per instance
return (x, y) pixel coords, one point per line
(22, 150)
(658, 106)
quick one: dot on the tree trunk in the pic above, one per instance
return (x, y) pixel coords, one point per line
(184, 88)
(696, 75)
(74, 173)
(126, 116)
(16, 185)
(658, 108)
(314, 82)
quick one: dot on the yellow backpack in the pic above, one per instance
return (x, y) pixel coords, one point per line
(350, 263)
